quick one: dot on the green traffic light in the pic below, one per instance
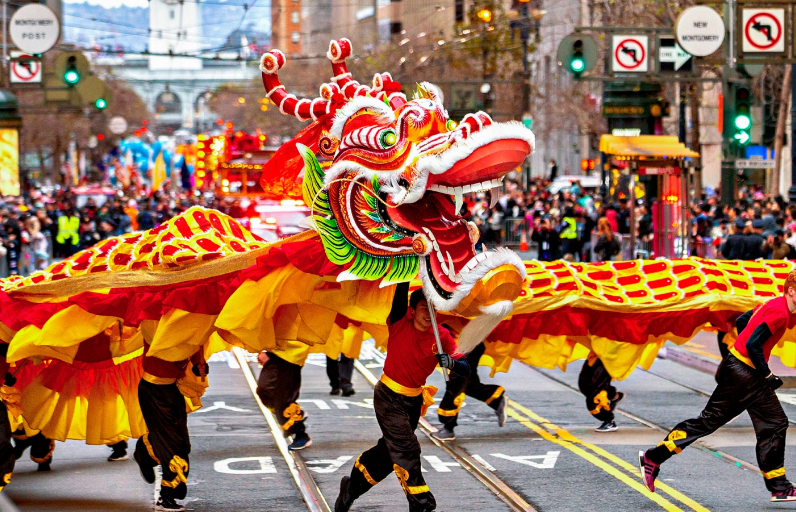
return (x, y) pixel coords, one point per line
(577, 65)
(71, 77)
(742, 122)
(101, 104)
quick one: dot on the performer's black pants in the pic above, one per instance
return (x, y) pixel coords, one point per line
(167, 444)
(471, 386)
(724, 350)
(340, 372)
(278, 388)
(41, 448)
(7, 458)
(397, 451)
(740, 388)
(595, 383)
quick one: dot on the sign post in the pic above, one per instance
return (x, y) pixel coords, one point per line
(630, 54)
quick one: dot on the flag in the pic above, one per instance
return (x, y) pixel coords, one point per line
(158, 173)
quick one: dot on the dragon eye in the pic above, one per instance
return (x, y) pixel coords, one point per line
(388, 138)
(451, 125)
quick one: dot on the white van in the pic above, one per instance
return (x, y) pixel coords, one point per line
(563, 183)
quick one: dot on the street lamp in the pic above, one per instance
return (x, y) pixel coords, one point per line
(485, 15)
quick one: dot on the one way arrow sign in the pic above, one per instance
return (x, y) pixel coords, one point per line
(672, 58)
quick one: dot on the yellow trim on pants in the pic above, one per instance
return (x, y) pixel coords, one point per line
(160, 381)
(497, 394)
(149, 449)
(602, 403)
(361, 467)
(403, 476)
(458, 402)
(774, 473)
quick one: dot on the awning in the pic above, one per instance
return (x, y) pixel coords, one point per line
(645, 146)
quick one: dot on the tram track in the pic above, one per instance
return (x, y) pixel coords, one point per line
(483, 475)
(302, 477)
(727, 458)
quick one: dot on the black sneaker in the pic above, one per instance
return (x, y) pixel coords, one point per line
(334, 391)
(166, 504)
(44, 466)
(607, 426)
(349, 392)
(119, 452)
(20, 445)
(342, 505)
(501, 412)
(300, 441)
(619, 397)
(147, 471)
(445, 434)
(789, 495)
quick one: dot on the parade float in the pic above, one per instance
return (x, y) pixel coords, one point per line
(384, 177)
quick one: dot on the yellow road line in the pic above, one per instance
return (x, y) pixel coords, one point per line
(631, 468)
(622, 477)
(701, 352)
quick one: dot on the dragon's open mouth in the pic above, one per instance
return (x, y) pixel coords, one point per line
(452, 265)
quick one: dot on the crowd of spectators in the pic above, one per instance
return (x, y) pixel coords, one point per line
(573, 224)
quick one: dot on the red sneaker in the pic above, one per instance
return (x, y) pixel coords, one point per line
(789, 495)
(649, 471)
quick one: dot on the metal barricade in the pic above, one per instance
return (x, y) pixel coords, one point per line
(513, 230)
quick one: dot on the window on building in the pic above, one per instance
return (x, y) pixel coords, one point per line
(171, 14)
(395, 28)
(459, 11)
(295, 37)
(294, 17)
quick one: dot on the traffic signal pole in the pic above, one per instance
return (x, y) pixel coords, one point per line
(792, 141)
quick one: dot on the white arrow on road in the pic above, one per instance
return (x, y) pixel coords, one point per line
(674, 54)
(327, 465)
(221, 405)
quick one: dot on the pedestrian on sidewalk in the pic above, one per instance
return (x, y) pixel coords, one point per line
(279, 386)
(602, 398)
(745, 383)
(340, 371)
(400, 399)
(458, 386)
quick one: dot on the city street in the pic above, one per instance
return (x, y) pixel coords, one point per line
(548, 451)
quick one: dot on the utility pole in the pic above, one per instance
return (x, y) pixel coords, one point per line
(792, 140)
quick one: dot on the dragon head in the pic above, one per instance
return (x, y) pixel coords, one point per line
(385, 176)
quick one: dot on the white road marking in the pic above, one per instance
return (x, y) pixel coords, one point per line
(367, 403)
(548, 461)
(331, 465)
(221, 405)
(788, 398)
(320, 404)
(266, 466)
(484, 463)
(439, 466)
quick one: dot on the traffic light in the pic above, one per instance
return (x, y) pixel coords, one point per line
(101, 103)
(577, 64)
(587, 164)
(71, 74)
(742, 117)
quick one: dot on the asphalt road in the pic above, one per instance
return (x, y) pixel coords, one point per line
(548, 451)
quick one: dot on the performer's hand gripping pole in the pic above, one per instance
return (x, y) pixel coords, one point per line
(433, 313)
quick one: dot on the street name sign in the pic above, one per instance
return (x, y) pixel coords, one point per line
(763, 30)
(672, 58)
(700, 30)
(631, 54)
(34, 28)
(117, 125)
(754, 163)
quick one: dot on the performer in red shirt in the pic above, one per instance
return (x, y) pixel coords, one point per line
(167, 443)
(400, 399)
(745, 383)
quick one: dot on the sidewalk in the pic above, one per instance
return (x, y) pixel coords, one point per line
(702, 353)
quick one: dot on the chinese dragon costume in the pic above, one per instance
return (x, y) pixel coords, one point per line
(384, 178)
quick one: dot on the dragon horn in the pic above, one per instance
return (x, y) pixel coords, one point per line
(338, 52)
(303, 109)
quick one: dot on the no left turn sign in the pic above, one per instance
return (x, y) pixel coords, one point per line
(763, 30)
(25, 69)
(631, 54)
